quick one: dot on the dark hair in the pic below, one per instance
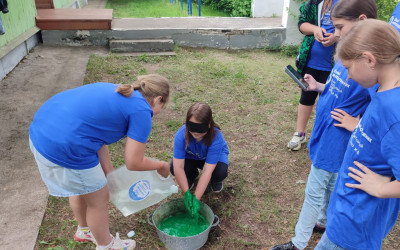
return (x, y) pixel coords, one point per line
(150, 86)
(353, 9)
(202, 113)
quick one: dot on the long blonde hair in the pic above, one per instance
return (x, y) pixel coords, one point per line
(379, 38)
(326, 7)
(150, 86)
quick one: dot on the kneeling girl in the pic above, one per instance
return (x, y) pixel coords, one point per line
(199, 144)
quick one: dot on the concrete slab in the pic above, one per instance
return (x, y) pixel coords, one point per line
(227, 23)
(43, 73)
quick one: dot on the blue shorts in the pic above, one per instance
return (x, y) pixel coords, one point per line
(65, 182)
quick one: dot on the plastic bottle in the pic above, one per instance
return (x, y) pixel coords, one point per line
(132, 191)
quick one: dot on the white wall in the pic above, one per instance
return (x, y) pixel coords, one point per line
(267, 8)
(289, 21)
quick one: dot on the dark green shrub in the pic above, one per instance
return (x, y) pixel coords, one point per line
(385, 8)
(237, 8)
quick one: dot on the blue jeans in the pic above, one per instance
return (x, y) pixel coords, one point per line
(319, 188)
(326, 244)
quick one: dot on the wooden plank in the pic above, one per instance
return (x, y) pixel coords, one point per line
(74, 19)
(44, 4)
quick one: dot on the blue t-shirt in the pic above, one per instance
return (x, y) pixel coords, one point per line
(73, 125)
(357, 220)
(395, 19)
(217, 151)
(320, 56)
(328, 143)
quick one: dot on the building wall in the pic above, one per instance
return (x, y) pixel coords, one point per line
(19, 19)
(266, 8)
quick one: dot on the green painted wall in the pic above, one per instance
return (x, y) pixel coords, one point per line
(20, 19)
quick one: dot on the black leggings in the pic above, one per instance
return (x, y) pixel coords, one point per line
(191, 166)
(308, 97)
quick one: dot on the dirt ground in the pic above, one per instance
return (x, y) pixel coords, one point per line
(23, 196)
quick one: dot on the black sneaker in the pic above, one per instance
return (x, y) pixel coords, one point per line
(286, 246)
(318, 228)
(217, 187)
(5, 10)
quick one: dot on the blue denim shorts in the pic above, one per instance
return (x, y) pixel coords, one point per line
(65, 182)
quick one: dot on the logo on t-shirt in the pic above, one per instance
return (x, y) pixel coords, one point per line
(139, 190)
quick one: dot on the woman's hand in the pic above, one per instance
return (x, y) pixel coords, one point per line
(370, 182)
(345, 120)
(164, 170)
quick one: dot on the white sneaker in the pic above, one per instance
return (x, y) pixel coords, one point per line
(118, 244)
(84, 236)
(296, 141)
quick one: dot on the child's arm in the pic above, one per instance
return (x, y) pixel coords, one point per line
(372, 183)
(311, 29)
(179, 171)
(105, 159)
(345, 120)
(205, 178)
(135, 159)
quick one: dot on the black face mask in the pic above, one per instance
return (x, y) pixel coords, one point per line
(197, 127)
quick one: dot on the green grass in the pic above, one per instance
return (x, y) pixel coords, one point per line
(158, 8)
(255, 104)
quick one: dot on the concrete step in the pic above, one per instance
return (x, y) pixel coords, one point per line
(135, 46)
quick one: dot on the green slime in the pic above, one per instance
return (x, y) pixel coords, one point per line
(192, 204)
(182, 224)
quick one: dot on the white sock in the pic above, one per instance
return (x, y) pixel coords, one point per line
(83, 228)
(108, 246)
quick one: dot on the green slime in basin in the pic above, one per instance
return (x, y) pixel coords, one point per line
(182, 224)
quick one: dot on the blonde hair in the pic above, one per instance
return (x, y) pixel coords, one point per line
(326, 7)
(150, 86)
(379, 38)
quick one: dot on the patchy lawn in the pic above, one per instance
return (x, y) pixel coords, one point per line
(255, 104)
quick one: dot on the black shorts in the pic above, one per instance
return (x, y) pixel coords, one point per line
(308, 97)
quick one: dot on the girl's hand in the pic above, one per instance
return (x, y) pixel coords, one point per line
(319, 34)
(329, 39)
(370, 182)
(164, 170)
(313, 85)
(345, 120)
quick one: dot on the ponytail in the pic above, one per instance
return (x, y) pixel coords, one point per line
(150, 86)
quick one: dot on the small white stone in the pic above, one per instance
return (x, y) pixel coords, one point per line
(131, 234)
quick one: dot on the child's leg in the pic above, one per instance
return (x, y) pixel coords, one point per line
(191, 169)
(318, 182)
(92, 209)
(220, 173)
(78, 206)
(322, 215)
(326, 244)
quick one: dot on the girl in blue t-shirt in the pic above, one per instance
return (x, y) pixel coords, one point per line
(360, 219)
(341, 100)
(69, 135)
(199, 144)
